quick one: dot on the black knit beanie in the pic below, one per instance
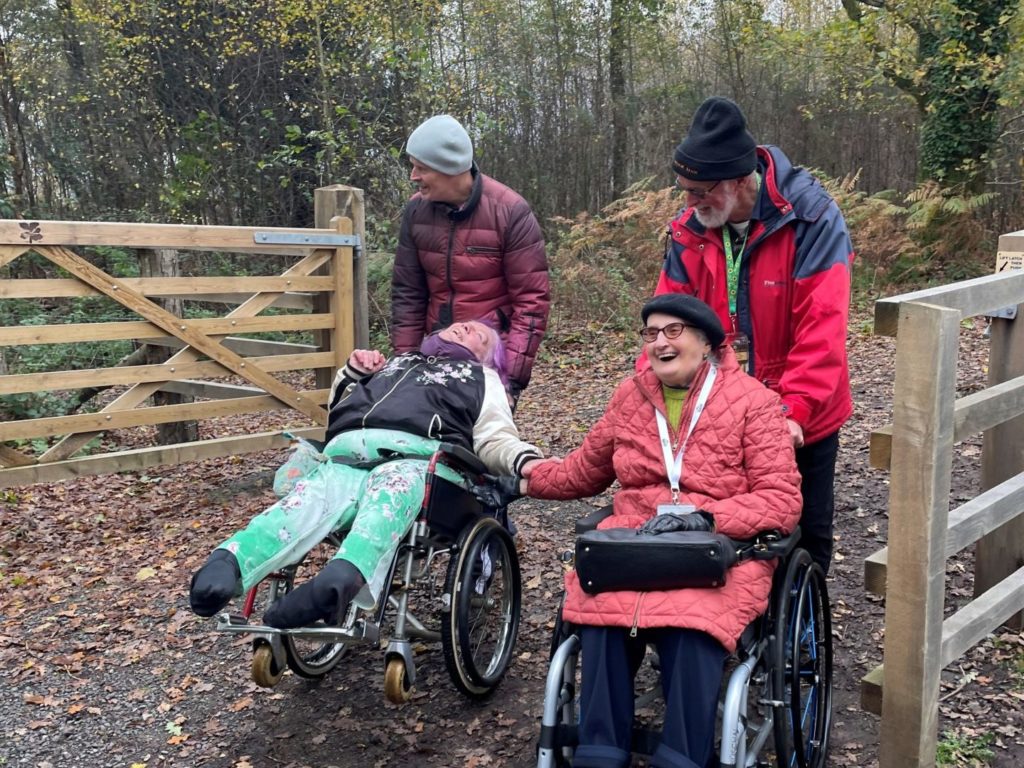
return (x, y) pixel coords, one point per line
(718, 145)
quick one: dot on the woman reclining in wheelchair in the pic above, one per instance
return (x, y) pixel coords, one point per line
(696, 445)
(386, 419)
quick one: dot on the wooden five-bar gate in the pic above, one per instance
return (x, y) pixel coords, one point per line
(327, 280)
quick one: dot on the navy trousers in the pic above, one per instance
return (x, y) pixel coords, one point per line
(817, 465)
(691, 675)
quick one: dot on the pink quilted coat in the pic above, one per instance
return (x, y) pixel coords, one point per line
(738, 465)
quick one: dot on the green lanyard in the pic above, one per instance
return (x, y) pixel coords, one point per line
(732, 265)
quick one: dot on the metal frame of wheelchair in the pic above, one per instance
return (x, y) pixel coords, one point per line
(780, 688)
(462, 561)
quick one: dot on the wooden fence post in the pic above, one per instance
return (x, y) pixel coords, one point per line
(922, 456)
(328, 203)
(1001, 552)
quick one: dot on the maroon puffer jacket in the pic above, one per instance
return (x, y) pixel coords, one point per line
(483, 260)
(738, 465)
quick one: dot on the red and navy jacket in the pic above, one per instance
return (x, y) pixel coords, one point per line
(793, 293)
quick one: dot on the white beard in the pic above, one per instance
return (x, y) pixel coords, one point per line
(717, 217)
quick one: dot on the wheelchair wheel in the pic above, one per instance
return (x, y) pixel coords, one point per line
(479, 632)
(311, 659)
(802, 666)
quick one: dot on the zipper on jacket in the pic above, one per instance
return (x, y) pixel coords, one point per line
(448, 272)
(636, 614)
(387, 394)
(482, 249)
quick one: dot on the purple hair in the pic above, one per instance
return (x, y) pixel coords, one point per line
(434, 346)
(495, 358)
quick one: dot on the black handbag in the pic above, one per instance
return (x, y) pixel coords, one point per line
(615, 559)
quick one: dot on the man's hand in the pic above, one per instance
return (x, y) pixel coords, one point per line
(668, 523)
(366, 360)
(796, 432)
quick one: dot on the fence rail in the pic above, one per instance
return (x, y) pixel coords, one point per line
(326, 285)
(918, 449)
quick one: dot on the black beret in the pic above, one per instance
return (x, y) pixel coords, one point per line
(691, 311)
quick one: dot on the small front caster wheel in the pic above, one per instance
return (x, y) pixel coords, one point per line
(397, 686)
(265, 672)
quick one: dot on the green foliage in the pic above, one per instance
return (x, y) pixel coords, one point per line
(379, 266)
(965, 749)
(603, 266)
(951, 56)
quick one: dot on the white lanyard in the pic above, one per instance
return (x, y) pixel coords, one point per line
(674, 468)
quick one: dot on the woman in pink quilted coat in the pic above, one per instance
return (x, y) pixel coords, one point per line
(695, 444)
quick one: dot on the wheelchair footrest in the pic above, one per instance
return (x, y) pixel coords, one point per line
(362, 632)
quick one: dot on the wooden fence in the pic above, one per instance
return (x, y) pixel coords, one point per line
(327, 280)
(928, 419)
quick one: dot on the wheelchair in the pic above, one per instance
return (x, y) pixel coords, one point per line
(777, 685)
(458, 567)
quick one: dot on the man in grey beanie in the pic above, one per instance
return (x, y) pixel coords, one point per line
(765, 245)
(469, 248)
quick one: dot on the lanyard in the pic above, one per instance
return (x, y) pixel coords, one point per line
(732, 265)
(674, 468)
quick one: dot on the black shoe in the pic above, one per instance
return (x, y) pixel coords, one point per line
(325, 597)
(215, 583)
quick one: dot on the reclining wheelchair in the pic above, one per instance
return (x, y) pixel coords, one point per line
(777, 685)
(461, 559)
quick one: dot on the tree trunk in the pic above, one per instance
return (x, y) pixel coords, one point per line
(163, 262)
(618, 40)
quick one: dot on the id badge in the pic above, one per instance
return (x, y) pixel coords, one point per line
(676, 509)
(741, 346)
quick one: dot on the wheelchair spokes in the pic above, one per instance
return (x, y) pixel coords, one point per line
(480, 631)
(803, 673)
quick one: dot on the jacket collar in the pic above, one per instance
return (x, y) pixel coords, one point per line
(466, 210)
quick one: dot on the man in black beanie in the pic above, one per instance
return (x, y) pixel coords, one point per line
(765, 245)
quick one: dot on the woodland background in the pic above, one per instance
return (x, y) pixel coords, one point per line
(234, 111)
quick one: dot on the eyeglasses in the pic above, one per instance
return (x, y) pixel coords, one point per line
(700, 194)
(671, 331)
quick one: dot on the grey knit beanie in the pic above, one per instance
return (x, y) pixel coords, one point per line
(442, 144)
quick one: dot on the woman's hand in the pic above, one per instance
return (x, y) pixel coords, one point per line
(366, 360)
(527, 469)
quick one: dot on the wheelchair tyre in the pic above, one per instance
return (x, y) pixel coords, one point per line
(479, 632)
(265, 672)
(802, 666)
(311, 659)
(397, 687)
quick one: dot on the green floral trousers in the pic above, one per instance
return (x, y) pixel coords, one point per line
(375, 507)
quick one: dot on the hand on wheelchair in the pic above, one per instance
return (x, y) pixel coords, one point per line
(671, 522)
(500, 491)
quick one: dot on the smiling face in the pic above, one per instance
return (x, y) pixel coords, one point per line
(717, 206)
(474, 336)
(439, 187)
(675, 361)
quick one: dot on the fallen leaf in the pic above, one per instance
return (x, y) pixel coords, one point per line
(145, 573)
(243, 703)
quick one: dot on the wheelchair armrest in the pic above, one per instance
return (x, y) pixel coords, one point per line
(464, 458)
(590, 521)
(770, 545)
